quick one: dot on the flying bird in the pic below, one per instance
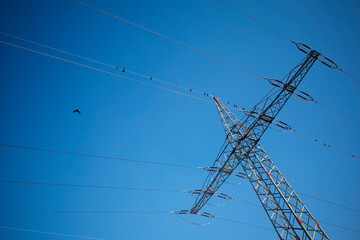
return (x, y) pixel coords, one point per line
(77, 111)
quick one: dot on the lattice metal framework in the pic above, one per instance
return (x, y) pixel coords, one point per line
(289, 216)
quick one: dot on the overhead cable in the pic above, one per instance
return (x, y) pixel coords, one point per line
(171, 39)
(91, 186)
(90, 212)
(122, 69)
(50, 233)
(138, 81)
(203, 52)
(124, 212)
(273, 82)
(103, 71)
(254, 19)
(139, 189)
(55, 49)
(326, 144)
(99, 156)
(337, 112)
(298, 45)
(152, 212)
(158, 190)
(332, 203)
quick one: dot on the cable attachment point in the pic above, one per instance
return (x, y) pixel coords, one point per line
(326, 61)
(203, 214)
(257, 113)
(213, 169)
(213, 193)
(303, 47)
(300, 94)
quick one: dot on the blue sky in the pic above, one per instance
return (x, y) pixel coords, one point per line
(126, 119)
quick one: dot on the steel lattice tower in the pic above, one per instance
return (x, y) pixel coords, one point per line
(287, 213)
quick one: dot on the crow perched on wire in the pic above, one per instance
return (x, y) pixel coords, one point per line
(77, 111)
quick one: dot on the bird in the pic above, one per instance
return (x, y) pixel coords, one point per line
(77, 111)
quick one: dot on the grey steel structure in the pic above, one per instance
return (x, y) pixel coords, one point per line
(287, 213)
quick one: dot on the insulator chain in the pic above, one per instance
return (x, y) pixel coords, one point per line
(282, 125)
(218, 169)
(306, 49)
(300, 94)
(213, 193)
(203, 214)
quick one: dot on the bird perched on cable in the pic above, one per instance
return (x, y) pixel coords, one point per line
(77, 111)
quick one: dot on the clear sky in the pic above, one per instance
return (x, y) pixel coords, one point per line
(125, 119)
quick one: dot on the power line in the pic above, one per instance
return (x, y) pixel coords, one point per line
(158, 212)
(137, 161)
(192, 90)
(117, 75)
(352, 76)
(104, 64)
(110, 187)
(103, 71)
(90, 212)
(92, 186)
(283, 36)
(56, 49)
(326, 144)
(254, 19)
(236, 221)
(171, 39)
(123, 212)
(160, 190)
(200, 51)
(50, 233)
(99, 156)
(149, 77)
(149, 212)
(138, 81)
(340, 226)
(332, 203)
(333, 110)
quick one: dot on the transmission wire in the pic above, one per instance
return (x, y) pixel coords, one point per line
(50, 233)
(90, 212)
(325, 144)
(98, 156)
(48, 55)
(273, 30)
(91, 186)
(139, 189)
(339, 113)
(153, 212)
(156, 79)
(155, 190)
(254, 19)
(171, 39)
(162, 88)
(103, 71)
(120, 212)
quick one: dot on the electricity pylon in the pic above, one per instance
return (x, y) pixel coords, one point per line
(287, 213)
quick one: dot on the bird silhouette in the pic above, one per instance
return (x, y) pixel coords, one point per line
(77, 111)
